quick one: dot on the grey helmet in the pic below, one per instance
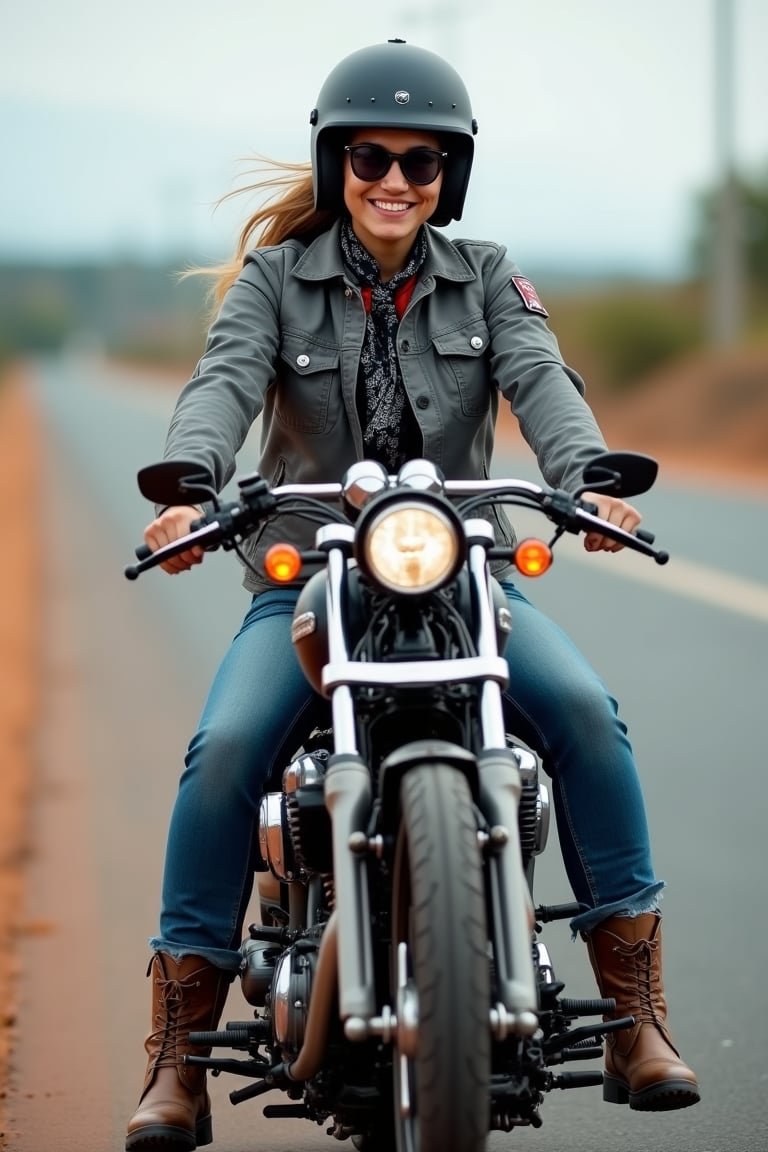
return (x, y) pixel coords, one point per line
(393, 85)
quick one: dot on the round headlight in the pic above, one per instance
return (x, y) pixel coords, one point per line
(411, 547)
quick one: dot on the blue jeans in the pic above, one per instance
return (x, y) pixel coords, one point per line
(249, 727)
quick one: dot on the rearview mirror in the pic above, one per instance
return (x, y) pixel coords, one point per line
(175, 482)
(620, 473)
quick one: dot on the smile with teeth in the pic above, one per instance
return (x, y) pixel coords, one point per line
(390, 206)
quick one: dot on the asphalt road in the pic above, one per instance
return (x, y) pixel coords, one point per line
(126, 668)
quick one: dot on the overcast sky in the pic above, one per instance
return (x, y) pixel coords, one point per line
(122, 123)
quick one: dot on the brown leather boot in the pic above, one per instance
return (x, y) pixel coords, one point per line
(174, 1112)
(642, 1065)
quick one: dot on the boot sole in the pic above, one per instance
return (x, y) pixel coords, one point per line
(167, 1138)
(663, 1097)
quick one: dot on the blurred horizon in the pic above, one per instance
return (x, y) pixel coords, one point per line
(598, 121)
(615, 143)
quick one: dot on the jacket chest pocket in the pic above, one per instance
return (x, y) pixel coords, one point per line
(463, 355)
(305, 383)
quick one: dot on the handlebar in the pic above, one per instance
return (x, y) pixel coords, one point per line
(234, 521)
(210, 537)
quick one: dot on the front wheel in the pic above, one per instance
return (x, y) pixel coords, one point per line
(440, 968)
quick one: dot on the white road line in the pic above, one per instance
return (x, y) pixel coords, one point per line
(686, 578)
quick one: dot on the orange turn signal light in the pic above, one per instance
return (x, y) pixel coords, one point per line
(282, 563)
(532, 557)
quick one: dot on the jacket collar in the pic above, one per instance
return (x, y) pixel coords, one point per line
(322, 259)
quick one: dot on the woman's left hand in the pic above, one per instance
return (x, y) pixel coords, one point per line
(616, 512)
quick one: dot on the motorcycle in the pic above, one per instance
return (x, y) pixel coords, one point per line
(401, 991)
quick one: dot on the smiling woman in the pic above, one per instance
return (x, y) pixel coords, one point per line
(390, 194)
(356, 330)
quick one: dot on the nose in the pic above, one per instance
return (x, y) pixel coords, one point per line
(394, 177)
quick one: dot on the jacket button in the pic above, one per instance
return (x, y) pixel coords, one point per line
(347, 292)
(476, 341)
(422, 402)
(405, 346)
(302, 360)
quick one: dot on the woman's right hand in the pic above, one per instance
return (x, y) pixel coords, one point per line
(171, 525)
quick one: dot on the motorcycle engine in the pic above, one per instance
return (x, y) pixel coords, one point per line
(308, 821)
(294, 825)
(533, 812)
(291, 990)
(281, 979)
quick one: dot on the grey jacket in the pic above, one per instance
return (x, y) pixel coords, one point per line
(286, 345)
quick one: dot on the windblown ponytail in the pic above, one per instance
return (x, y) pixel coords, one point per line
(288, 213)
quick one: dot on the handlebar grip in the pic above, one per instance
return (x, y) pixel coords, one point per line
(146, 559)
(641, 534)
(209, 538)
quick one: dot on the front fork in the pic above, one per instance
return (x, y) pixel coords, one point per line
(511, 916)
(348, 798)
(500, 786)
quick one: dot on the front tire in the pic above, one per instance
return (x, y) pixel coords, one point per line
(440, 968)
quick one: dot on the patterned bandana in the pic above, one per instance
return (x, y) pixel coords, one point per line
(391, 433)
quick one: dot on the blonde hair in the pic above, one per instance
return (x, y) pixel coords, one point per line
(288, 213)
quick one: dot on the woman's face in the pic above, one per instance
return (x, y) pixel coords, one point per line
(387, 214)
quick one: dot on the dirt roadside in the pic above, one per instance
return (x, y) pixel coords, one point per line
(20, 589)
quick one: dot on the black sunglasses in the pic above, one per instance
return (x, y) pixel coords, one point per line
(371, 162)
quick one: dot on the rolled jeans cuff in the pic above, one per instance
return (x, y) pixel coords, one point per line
(221, 958)
(646, 900)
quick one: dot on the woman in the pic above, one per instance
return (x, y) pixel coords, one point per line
(358, 331)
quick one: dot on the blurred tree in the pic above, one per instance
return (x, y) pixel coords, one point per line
(127, 308)
(35, 316)
(633, 334)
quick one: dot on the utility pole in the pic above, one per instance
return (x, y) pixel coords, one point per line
(727, 273)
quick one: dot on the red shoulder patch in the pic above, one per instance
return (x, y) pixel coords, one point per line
(530, 296)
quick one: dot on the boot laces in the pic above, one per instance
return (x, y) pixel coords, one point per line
(647, 978)
(172, 1020)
